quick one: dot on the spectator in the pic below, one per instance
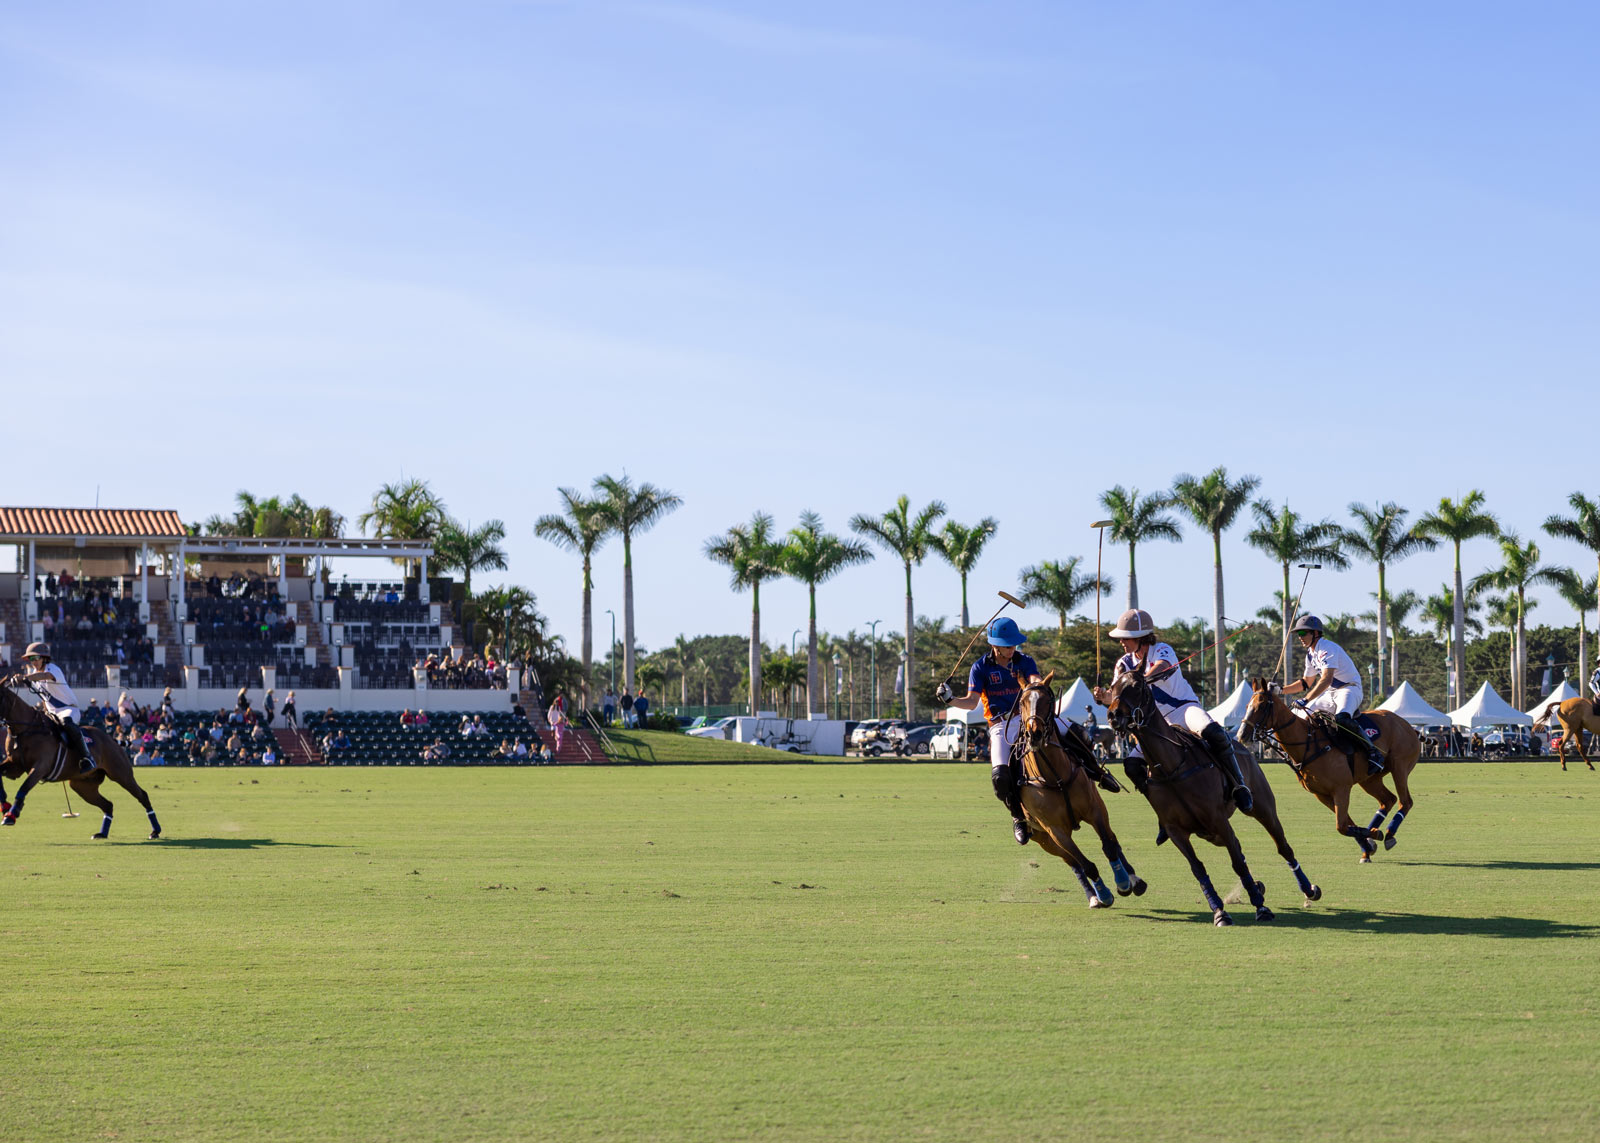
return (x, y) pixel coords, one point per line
(258, 734)
(235, 743)
(641, 711)
(142, 758)
(557, 717)
(608, 706)
(93, 714)
(217, 731)
(158, 757)
(422, 720)
(290, 718)
(269, 707)
(242, 703)
(519, 750)
(466, 727)
(627, 709)
(545, 757)
(479, 730)
(269, 756)
(504, 749)
(407, 721)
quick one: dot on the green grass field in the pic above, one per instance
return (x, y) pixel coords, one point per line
(783, 952)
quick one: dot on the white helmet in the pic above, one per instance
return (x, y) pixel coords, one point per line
(1134, 624)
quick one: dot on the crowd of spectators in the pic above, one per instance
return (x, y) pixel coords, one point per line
(157, 735)
(462, 673)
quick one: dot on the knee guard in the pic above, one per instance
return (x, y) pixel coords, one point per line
(1004, 779)
(75, 743)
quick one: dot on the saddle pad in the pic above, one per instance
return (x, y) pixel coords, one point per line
(1368, 727)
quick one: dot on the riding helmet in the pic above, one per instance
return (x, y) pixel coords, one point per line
(1004, 632)
(39, 650)
(1134, 624)
(1308, 623)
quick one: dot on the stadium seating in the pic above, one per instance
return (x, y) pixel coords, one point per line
(378, 739)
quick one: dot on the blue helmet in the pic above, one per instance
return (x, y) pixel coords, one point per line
(1003, 632)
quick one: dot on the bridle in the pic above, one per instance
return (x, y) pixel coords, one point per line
(1037, 731)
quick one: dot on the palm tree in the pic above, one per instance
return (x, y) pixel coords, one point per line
(463, 548)
(1501, 611)
(1059, 587)
(1519, 570)
(525, 635)
(1581, 594)
(961, 546)
(1214, 503)
(1395, 612)
(1583, 527)
(1134, 521)
(910, 538)
(1383, 538)
(1282, 536)
(404, 510)
(627, 510)
(751, 556)
(783, 675)
(582, 528)
(814, 556)
(1458, 521)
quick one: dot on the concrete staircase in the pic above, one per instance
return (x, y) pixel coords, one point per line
(297, 748)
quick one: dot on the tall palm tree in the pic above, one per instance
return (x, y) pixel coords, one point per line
(1282, 535)
(961, 546)
(628, 510)
(404, 510)
(1381, 537)
(1213, 502)
(1458, 521)
(1134, 521)
(1501, 611)
(1582, 595)
(1059, 587)
(683, 658)
(814, 556)
(463, 548)
(750, 554)
(909, 537)
(1519, 570)
(1395, 612)
(580, 528)
(1583, 526)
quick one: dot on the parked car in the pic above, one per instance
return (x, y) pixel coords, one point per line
(960, 741)
(722, 728)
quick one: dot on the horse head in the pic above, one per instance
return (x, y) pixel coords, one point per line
(1034, 698)
(1130, 703)
(1258, 716)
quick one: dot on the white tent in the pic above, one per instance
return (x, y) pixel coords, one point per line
(1230, 711)
(1487, 708)
(1412, 707)
(956, 714)
(1075, 698)
(1561, 694)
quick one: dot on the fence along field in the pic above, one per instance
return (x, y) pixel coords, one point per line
(784, 952)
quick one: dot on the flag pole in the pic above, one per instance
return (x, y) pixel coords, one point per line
(1102, 525)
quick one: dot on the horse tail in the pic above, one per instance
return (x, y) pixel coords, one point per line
(1544, 716)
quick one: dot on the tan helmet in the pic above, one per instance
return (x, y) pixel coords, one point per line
(38, 651)
(1134, 624)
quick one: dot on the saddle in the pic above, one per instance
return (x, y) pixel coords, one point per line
(1338, 737)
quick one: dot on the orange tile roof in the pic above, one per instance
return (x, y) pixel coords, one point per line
(90, 523)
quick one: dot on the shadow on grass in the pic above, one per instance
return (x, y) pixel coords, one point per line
(1388, 923)
(630, 749)
(240, 843)
(1557, 865)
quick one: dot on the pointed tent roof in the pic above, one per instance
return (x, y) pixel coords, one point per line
(1561, 694)
(1230, 711)
(1412, 707)
(1075, 698)
(1487, 708)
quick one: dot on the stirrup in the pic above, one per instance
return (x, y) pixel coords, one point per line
(1019, 830)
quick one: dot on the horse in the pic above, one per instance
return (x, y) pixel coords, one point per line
(1318, 759)
(1575, 715)
(1058, 797)
(33, 748)
(1185, 788)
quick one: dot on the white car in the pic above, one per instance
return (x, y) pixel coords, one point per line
(722, 728)
(949, 741)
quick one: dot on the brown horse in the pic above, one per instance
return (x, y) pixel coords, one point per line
(32, 748)
(1317, 755)
(1185, 788)
(1575, 715)
(1058, 797)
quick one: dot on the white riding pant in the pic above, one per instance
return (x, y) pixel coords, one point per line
(1003, 735)
(1191, 716)
(1334, 700)
(62, 713)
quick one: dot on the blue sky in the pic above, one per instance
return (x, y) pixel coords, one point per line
(783, 257)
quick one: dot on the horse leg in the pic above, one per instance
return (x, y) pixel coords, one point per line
(121, 772)
(1122, 870)
(1082, 869)
(1376, 786)
(23, 790)
(1402, 783)
(1265, 811)
(5, 806)
(87, 788)
(1256, 891)
(1342, 822)
(1181, 842)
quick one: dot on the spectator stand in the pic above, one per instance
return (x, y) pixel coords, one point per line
(378, 738)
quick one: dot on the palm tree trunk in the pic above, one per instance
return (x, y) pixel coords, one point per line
(965, 622)
(1287, 619)
(755, 649)
(1216, 556)
(1383, 628)
(1457, 654)
(1583, 651)
(811, 658)
(627, 610)
(1133, 580)
(1522, 659)
(588, 630)
(911, 712)
(1394, 659)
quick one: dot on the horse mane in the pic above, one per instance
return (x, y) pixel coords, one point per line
(17, 713)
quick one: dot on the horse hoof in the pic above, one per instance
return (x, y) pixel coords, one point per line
(9, 819)
(1221, 919)
(1139, 886)
(1096, 903)
(1315, 894)
(1264, 914)
(1389, 842)
(156, 834)
(1125, 890)
(100, 836)
(1364, 859)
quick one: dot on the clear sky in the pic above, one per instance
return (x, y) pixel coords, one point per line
(791, 256)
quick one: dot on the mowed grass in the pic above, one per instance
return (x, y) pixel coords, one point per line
(783, 952)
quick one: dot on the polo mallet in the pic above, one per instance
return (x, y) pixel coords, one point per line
(1102, 525)
(1294, 613)
(1009, 600)
(71, 813)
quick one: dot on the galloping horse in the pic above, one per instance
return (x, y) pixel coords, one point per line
(1575, 715)
(1185, 790)
(1058, 797)
(1323, 767)
(33, 749)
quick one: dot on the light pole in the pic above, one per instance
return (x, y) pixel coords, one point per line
(613, 615)
(505, 636)
(873, 627)
(838, 683)
(792, 639)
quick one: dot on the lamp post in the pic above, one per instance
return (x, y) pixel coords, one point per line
(613, 615)
(1231, 669)
(1372, 677)
(505, 636)
(792, 640)
(838, 683)
(905, 685)
(873, 627)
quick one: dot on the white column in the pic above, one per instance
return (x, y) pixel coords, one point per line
(30, 601)
(144, 572)
(316, 583)
(422, 581)
(283, 576)
(182, 611)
